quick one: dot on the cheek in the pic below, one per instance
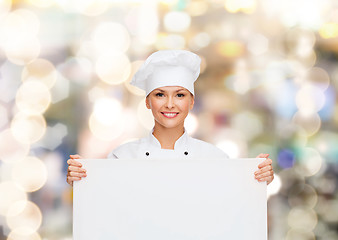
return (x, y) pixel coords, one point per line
(184, 106)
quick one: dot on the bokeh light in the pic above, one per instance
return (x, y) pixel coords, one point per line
(107, 128)
(107, 110)
(177, 21)
(310, 162)
(30, 173)
(191, 123)
(33, 97)
(302, 218)
(113, 69)
(274, 186)
(134, 90)
(30, 218)
(144, 115)
(28, 129)
(111, 37)
(40, 70)
(23, 234)
(11, 150)
(91, 7)
(20, 40)
(10, 193)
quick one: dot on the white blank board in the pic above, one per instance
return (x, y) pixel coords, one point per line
(169, 200)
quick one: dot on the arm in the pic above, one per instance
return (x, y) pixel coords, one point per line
(75, 171)
(265, 171)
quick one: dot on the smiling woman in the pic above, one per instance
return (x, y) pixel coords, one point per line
(168, 77)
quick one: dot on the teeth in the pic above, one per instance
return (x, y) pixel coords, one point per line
(169, 114)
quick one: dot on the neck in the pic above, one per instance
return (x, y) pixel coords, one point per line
(167, 136)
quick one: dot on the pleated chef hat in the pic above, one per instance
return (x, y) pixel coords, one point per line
(168, 68)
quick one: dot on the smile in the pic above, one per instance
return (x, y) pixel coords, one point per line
(169, 114)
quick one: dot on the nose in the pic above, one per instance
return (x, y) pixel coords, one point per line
(170, 102)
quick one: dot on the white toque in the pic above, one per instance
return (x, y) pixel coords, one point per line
(168, 68)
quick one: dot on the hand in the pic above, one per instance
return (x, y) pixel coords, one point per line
(75, 171)
(265, 172)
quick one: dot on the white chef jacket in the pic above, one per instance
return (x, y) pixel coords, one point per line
(185, 147)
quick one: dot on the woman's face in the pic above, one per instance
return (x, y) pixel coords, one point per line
(170, 105)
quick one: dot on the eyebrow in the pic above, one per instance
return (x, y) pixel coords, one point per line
(181, 89)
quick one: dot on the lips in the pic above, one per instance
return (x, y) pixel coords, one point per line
(169, 114)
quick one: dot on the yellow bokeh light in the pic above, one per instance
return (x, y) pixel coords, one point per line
(111, 37)
(29, 218)
(107, 132)
(40, 70)
(107, 111)
(145, 115)
(134, 90)
(10, 193)
(230, 49)
(28, 128)
(23, 233)
(113, 69)
(246, 6)
(11, 150)
(197, 8)
(329, 30)
(33, 97)
(30, 173)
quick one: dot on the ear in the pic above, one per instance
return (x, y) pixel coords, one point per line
(147, 103)
(192, 102)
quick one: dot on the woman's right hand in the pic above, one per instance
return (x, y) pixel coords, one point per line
(75, 171)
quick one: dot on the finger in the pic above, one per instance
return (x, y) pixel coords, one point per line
(265, 163)
(76, 169)
(263, 169)
(75, 156)
(77, 174)
(70, 180)
(74, 163)
(263, 155)
(264, 174)
(268, 180)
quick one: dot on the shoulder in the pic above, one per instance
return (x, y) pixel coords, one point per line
(127, 150)
(205, 149)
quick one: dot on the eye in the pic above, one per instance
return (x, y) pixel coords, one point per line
(159, 94)
(180, 95)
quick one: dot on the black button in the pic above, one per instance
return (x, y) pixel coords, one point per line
(185, 153)
(147, 153)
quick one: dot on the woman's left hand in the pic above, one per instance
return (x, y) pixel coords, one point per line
(265, 171)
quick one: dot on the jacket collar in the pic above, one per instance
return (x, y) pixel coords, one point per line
(181, 143)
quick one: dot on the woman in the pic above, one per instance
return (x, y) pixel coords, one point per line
(168, 78)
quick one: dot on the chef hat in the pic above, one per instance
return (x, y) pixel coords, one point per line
(168, 68)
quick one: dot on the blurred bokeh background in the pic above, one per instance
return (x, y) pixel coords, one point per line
(268, 84)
